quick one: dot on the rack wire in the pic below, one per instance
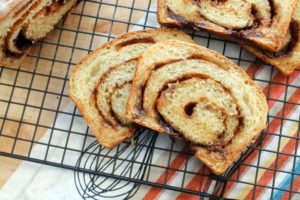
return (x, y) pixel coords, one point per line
(39, 123)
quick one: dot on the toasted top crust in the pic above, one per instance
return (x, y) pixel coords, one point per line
(260, 22)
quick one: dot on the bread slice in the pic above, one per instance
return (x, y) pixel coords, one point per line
(101, 82)
(193, 92)
(22, 22)
(288, 58)
(258, 22)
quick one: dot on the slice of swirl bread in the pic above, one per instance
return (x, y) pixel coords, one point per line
(22, 22)
(101, 82)
(193, 92)
(288, 58)
(263, 23)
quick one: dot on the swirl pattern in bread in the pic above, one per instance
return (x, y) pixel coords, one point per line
(193, 92)
(101, 82)
(22, 22)
(263, 23)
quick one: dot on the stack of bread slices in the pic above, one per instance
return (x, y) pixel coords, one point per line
(161, 80)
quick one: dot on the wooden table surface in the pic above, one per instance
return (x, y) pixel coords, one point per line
(26, 80)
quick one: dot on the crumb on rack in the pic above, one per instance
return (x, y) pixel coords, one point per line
(132, 142)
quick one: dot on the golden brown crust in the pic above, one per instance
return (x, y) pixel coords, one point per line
(268, 37)
(125, 37)
(179, 62)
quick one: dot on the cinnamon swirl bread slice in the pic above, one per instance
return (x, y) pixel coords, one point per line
(288, 58)
(101, 82)
(22, 22)
(190, 91)
(263, 23)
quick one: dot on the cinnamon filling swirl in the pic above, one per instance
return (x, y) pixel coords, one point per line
(192, 92)
(112, 93)
(167, 77)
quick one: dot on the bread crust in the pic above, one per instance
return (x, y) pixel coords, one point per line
(217, 159)
(106, 135)
(271, 42)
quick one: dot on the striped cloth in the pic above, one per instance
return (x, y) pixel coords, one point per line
(265, 177)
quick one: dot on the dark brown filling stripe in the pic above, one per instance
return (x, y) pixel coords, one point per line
(176, 17)
(117, 86)
(22, 43)
(112, 112)
(273, 10)
(17, 41)
(22, 9)
(147, 40)
(295, 33)
(110, 103)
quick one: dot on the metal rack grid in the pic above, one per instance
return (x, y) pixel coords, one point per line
(39, 123)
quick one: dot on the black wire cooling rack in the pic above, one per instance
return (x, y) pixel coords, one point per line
(39, 123)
